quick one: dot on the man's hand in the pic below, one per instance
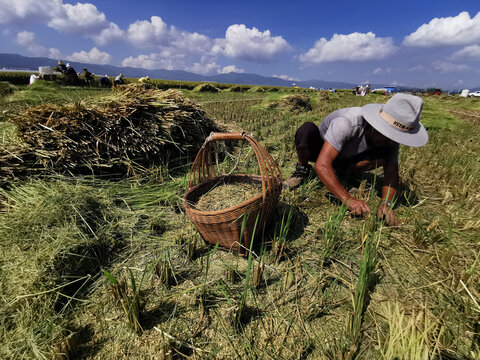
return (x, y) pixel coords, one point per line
(385, 211)
(357, 207)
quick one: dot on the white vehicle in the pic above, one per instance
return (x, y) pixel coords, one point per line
(475, 94)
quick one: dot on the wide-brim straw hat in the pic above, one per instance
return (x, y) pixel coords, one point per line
(398, 119)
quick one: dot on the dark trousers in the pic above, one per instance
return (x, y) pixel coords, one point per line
(309, 142)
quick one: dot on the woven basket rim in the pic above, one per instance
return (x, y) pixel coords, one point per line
(231, 208)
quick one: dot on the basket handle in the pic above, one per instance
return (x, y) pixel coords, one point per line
(202, 167)
(216, 136)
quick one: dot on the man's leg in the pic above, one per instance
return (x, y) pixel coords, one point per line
(308, 144)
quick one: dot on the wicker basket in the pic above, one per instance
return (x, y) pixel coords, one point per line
(224, 226)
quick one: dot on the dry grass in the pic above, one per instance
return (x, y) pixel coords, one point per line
(223, 196)
(128, 130)
(328, 295)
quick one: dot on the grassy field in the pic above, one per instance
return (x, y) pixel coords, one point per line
(101, 268)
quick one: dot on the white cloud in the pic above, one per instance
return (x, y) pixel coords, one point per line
(352, 47)
(229, 69)
(170, 60)
(14, 11)
(445, 67)
(166, 59)
(457, 30)
(108, 35)
(418, 68)
(54, 53)
(146, 34)
(82, 18)
(381, 71)
(250, 44)
(203, 68)
(94, 56)
(156, 33)
(286, 77)
(471, 51)
(27, 40)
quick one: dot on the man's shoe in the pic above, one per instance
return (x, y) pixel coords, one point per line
(299, 176)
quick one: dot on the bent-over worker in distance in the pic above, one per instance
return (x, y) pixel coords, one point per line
(144, 79)
(360, 139)
(119, 80)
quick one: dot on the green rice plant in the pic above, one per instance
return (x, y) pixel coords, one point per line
(128, 298)
(163, 269)
(6, 89)
(310, 185)
(331, 233)
(361, 296)
(15, 77)
(407, 336)
(204, 298)
(246, 285)
(279, 242)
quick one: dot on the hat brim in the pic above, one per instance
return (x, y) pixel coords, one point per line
(415, 138)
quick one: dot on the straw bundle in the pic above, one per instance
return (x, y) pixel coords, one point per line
(135, 124)
(293, 103)
(238, 88)
(205, 88)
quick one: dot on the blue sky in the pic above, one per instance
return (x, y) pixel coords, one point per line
(417, 43)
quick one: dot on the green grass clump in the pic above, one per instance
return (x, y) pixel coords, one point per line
(56, 237)
(6, 89)
(46, 91)
(15, 77)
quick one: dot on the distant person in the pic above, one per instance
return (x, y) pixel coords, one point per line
(119, 80)
(360, 139)
(33, 78)
(105, 81)
(87, 76)
(71, 75)
(62, 67)
(144, 79)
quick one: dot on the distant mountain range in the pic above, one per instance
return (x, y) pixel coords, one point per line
(19, 62)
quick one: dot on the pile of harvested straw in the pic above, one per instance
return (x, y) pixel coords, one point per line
(293, 103)
(133, 125)
(205, 88)
(226, 195)
(238, 88)
(323, 95)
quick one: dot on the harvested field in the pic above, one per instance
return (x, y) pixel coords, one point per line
(319, 283)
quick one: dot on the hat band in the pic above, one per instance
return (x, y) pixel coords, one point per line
(394, 122)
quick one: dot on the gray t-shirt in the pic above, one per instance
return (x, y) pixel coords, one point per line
(345, 129)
